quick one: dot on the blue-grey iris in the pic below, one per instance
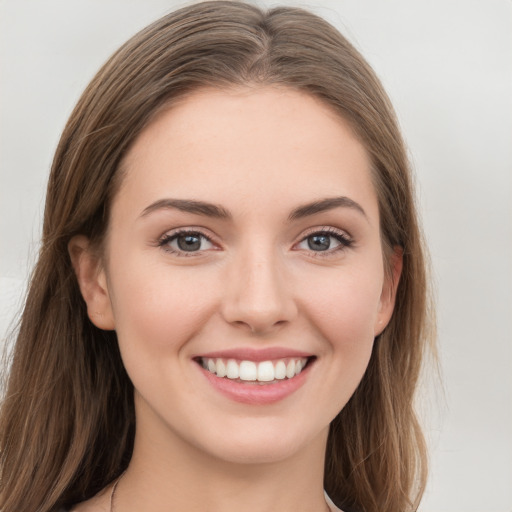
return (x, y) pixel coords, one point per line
(319, 242)
(189, 242)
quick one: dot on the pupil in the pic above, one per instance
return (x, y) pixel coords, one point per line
(319, 242)
(189, 242)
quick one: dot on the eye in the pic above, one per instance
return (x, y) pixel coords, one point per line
(324, 241)
(186, 242)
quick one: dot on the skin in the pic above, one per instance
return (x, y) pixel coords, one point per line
(259, 154)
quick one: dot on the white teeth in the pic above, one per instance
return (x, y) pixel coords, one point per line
(221, 368)
(280, 370)
(290, 369)
(248, 370)
(232, 370)
(265, 371)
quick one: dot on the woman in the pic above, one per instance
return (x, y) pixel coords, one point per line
(230, 304)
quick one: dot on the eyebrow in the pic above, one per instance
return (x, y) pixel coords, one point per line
(324, 205)
(189, 206)
(216, 211)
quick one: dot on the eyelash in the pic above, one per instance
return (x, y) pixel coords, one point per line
(165, 240)
(344, 241)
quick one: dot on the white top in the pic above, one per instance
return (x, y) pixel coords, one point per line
(331, 505)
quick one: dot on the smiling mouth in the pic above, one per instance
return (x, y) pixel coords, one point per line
(251, 372)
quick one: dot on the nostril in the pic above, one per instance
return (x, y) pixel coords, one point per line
(260, 329)
(258, 299)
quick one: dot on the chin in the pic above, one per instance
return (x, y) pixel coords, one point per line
(261, 443)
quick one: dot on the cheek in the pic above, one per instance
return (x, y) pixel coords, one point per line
(149, 307)
(345, 309)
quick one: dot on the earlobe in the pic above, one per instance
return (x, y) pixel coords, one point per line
(389, 289)
(92, 281)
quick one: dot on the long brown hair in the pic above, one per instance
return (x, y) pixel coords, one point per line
(67, 420)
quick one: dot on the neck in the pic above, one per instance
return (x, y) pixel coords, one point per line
(169, 474)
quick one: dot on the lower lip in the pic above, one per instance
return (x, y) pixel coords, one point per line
(253, 393)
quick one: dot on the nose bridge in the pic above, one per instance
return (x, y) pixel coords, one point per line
(259, 296)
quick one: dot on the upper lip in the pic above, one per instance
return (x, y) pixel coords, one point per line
(254, 354)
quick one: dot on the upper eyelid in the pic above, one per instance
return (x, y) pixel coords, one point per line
(188, 229)
(325, 229)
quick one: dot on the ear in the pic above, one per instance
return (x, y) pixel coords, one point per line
(389, 288)
(92, 281)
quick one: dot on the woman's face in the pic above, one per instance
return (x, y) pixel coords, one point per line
(244, 239)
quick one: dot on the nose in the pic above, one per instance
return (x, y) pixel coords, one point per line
(258, 297)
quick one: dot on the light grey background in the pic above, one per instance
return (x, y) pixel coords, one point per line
(447, 66)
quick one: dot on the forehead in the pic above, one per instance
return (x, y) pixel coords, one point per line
(246, 144)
